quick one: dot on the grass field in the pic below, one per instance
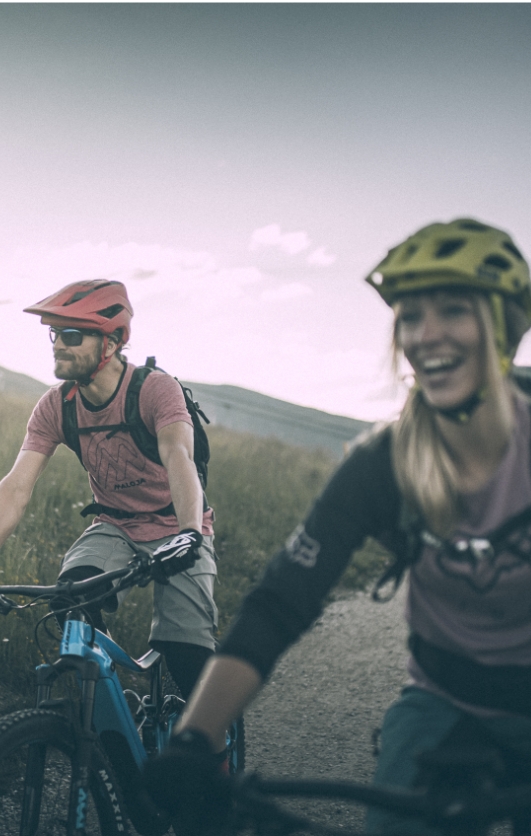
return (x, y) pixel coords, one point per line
(260, 490)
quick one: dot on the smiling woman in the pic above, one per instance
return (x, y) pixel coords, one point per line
(447, 488)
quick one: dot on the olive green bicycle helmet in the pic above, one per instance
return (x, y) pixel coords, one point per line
(464, 253)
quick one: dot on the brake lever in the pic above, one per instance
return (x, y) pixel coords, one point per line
(140, 568)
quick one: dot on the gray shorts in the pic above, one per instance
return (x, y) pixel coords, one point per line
(184, 610)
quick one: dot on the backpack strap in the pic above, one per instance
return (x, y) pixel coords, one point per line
(118, 514)
(144, 440)
(201, 444)
(69, 418)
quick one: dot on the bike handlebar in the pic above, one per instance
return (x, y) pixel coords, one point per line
(137, 572)
(252, 794)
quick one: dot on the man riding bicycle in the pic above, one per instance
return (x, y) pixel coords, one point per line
(137, 500)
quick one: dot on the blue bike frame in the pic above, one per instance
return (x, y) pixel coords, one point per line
(111, 711)
(103, 717)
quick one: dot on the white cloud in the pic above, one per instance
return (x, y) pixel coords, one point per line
(266, 236)
(147, 270)
(294, 242)
(291, 243)
(85, 260)
(293, 290)
(320, 258)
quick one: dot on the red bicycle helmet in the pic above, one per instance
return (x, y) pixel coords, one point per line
(99, 305)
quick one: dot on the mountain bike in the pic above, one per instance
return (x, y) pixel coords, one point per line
(462, 794)
(72, 765)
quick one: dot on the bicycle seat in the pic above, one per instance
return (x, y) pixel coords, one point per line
(148, 659)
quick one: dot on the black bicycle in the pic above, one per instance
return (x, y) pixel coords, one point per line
(72, 765)
(463, 794)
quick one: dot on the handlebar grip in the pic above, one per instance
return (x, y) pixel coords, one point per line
(6, 605)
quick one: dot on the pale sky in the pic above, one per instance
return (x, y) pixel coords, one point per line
(242, 168)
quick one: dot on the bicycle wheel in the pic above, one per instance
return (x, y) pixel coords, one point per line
(48, 738)
(236, 746)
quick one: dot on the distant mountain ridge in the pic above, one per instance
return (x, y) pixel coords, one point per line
(243, 410)
(15, 383)
(247, 411)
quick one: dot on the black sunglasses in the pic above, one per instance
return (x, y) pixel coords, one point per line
(71, 336)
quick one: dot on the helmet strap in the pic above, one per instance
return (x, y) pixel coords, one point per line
(103, 362)
(505, 356)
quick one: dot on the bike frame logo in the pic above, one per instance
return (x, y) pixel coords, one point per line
(81, 809)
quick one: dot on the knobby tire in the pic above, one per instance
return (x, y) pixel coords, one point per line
(47, 733)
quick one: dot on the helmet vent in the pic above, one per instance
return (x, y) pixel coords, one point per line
(111, 312)
(448, 248)
(78, 296)
(497, 261)
(473, 226)
(81, 294)
(409, 253)
(513, 250)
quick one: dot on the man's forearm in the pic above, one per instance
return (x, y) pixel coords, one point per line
(12, 507)
(176, 448)
(16, 489)
(186, 491)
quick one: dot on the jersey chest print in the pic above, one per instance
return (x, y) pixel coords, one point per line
(479, 564)
(116, 464)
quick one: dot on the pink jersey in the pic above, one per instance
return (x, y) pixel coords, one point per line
(119, 475)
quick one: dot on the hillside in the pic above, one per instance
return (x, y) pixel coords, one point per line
(14, 383)
(242, 410)
(248, 411)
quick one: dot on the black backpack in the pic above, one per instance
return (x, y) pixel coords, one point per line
(133, 424)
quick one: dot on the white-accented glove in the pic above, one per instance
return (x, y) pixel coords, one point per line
(177, 555)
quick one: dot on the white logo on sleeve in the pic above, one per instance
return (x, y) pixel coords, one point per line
(303, 549)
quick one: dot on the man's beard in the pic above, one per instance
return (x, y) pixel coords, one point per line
(69, 367)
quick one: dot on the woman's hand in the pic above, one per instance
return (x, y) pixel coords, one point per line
(188, 782)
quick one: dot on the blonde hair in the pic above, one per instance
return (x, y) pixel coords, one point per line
(424, 465)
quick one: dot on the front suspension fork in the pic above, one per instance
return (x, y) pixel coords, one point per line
(88, 674)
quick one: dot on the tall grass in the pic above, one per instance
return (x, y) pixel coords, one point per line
(259, 488)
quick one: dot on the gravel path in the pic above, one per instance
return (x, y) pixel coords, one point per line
(316, 715)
